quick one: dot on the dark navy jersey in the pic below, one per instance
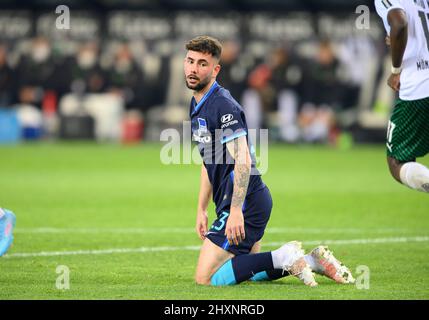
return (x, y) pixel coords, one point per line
(216, 120)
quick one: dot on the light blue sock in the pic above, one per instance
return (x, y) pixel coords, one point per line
(261, 276)
(270, 275)
(224, 276)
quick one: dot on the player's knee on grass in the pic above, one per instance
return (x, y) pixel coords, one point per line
(202, 277)
(202, 280)
(211, 259)
(223, 276)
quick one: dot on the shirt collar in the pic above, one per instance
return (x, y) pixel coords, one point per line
(195, 108)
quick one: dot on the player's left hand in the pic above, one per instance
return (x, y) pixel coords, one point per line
(394, 81)
(234, 229)
(201, 224)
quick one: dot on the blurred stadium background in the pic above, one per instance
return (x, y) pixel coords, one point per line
(300, 68)
(121, 221)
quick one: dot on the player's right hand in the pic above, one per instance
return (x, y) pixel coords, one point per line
(394, 81)
(201, 225)
(234, 229)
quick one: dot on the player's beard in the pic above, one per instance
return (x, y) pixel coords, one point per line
(199, 86)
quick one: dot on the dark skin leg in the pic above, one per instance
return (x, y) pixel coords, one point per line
(394, 167)
(397, 41)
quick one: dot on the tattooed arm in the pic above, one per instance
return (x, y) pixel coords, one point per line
(240, 152)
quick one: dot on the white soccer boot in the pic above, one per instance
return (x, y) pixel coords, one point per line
(295, 264)
(327, 265)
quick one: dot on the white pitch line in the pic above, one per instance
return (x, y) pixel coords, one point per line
(195, 248)
(48, 230)
(361, 241)
(96, 252)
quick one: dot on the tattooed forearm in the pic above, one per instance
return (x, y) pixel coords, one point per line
(241, 171)
(241, 182)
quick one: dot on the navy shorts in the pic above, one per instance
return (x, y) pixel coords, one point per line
(257, 211)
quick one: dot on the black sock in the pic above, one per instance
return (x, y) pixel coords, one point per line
(247, 265)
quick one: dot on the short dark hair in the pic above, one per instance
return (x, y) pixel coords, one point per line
(205, 44)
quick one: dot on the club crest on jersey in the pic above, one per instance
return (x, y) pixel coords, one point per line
(202, 135)
(202, 126)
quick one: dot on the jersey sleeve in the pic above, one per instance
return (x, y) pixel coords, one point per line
(230, 120)
(383, 7)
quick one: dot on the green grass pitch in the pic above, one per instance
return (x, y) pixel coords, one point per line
(91, 207)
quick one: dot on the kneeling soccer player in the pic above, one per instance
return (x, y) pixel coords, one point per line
(7, 223)
(230, 251)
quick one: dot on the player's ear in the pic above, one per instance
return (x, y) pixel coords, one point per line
(217, 69)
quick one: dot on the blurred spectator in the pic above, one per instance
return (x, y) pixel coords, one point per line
(7, 80)
(357, 55)
(322, 85)
(232, 74)
(275, 86)
(125, 78)
(84, 74)
(36, 73)
(287, 72)
(317, 122)
(321, 95)
(258, 98)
